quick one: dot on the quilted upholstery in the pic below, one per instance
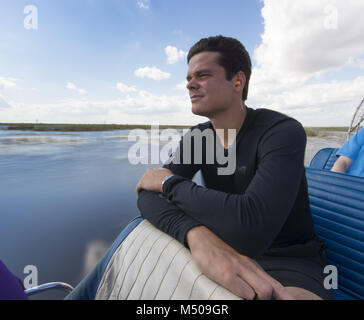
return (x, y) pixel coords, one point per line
(151, 265)
(145, 263)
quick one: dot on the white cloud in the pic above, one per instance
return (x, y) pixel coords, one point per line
(182, 85)
(143, 108)
(72, 86)
(143, 4)
(152, 73)
(302, 41)
(125, 88)
(331, 103)
(361, 64)
(174, 55)
(3, 103)
(7, 82)
(296, 40)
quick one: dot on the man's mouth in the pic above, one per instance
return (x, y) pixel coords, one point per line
(195, 97)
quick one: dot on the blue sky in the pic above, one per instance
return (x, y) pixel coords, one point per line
(80, 63)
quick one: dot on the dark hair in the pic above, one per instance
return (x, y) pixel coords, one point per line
(233, 56)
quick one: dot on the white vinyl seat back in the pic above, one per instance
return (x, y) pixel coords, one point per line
(150, 264)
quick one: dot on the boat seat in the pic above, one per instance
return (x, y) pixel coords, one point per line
(324, 159)
(337, 207)
(145, 263)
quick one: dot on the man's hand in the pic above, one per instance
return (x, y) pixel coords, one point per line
(152, 180)
(237, 273)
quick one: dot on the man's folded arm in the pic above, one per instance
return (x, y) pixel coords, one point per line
(165, 216)
(251, 221)
(160, 211)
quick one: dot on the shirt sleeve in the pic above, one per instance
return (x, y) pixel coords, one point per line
(165, 216)
(351, 148)
(160, 211)
(250, 222)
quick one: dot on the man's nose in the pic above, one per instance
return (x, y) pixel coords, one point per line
(192, 84)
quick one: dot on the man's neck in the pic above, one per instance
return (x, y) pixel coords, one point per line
(232, 119)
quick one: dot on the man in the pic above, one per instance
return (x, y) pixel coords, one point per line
(351, 160)
(250, 231)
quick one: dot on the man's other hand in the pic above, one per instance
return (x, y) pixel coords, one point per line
(239, 274)
(152, 180)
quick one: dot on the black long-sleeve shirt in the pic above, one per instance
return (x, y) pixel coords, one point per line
(262, 209)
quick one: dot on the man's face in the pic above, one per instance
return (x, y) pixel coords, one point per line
(209, 91)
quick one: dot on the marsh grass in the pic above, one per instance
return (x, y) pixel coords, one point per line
(323, 131)
(310, 131)
(80, 127)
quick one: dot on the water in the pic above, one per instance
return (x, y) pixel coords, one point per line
(64, 198)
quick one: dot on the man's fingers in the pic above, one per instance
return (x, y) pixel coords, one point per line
(138, 188)
(279, 292)
(152, 179)
(241, 279)
(141, 183)
(259, 284)
(262, 283)
(238, 286)
(237, 273)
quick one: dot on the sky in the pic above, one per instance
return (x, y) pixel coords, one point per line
(124, 61)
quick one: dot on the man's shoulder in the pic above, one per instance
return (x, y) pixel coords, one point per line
(273, 129)
(264, 114)
(202, 126)
(260, 117)
(268, 119)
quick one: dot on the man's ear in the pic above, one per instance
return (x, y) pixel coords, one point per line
(240, 76)
(239, 79)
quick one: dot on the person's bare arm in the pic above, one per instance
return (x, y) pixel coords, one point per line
(238, 273)
(342, 164)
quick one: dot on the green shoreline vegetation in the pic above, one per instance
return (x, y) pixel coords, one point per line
(310, 131)
(322, 131)
(81, 127)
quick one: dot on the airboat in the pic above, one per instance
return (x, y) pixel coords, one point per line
(145, 263)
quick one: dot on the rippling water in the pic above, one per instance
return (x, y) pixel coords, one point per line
(64, 198)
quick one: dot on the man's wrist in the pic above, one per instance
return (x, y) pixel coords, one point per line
(201, 237)
(192, 236)
(165, 180)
